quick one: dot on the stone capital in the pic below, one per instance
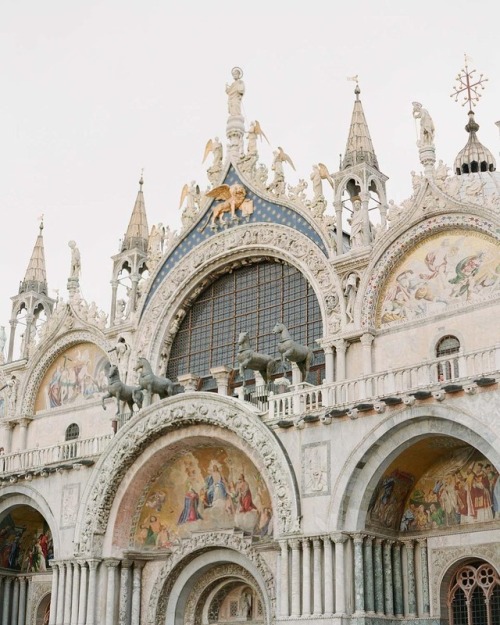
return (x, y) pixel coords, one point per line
(188, 381)
(367, 339)
(112, 562)
(339, 538)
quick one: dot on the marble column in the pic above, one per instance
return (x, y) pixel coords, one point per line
(124, 612)
(425, 576)
(339, 540)
(398, 580)
(15, 601)
(67, 593)
(328, 577)
(379, 577)
(21, 618)
(23, 434)
(82, 602)
(54, 594)
(295, 545)
(366, 342)
(340, 350)
(359, 585)
(6, 600)
(221, 375)
(410, 572)
(284, 579)
(317, 582)
(306, 577)
(329, 370)
(75, 593)
(111, 565)
(388, 581)
(136, 593)
(60, 593)
(92, 591)
(369, 581)
(339, 231)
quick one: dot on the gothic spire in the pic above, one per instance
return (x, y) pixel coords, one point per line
(137, 232)
(359, 148)
(35, 278)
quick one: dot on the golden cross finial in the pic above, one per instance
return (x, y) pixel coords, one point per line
(468, 85)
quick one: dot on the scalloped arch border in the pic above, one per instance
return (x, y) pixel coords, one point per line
(177, 412)
(379, 271)
(34, 379)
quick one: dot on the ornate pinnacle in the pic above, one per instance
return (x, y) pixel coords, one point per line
(468, 85)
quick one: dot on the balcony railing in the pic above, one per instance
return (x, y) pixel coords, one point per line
(404, 380)
(37, 459)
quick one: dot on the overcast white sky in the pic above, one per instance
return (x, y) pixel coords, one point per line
(95, 90)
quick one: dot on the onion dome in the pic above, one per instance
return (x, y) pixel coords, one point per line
(474, 157)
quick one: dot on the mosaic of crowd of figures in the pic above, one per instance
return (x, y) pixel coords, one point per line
(461, 488)
(204, 488)
(446, 269)
(25, 541)
(75, 376)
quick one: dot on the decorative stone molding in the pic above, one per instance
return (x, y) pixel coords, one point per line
(214, 256)
(33, 381)
(155, 421)
(39, 589)
(187, 551)
(442, 559)
(377, 275)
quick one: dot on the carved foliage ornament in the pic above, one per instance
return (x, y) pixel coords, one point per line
(294, 247)
(154, 422)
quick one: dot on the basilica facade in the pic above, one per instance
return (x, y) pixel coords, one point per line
(290, 412)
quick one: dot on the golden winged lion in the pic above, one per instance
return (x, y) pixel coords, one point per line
(233, 198)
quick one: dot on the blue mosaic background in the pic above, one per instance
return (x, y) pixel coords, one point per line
(264, 212)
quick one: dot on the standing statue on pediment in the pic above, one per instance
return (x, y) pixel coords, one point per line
(277, 185)
(190, 194)
(214, 146)
(235, 92)
(318, 174)
(254, 132)
(76, 266)
(426, 125)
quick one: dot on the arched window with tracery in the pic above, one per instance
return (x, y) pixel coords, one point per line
(447, 350)
(72, 434)
(252, 299)
(474, 595)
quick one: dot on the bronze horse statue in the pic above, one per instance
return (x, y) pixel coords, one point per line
(248, 359)
(154, 384)
(116, 388)
(302, 355)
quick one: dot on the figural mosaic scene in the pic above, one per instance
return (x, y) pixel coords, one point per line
(289, 412)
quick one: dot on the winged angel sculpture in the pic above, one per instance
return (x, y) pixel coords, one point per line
(233, 198)
(278, 183)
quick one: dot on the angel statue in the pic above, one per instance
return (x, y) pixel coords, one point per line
(318, 174)
(254, 132)
(278, 183)
(426, 125)
(191, 194)
(233, 198)
(235, 92)
(215, 147)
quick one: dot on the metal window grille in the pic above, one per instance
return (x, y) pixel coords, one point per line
(252, 299)
(72, 432)
(474, 595)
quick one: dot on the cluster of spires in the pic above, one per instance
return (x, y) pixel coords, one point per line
(474, 157)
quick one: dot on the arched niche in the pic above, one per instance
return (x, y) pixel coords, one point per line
(48, 359)
(185, 484)
(358, 480)
(26, 542)
(454, 253)
(140, 439)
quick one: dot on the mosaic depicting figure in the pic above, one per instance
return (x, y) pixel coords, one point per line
(77, 375)
(25, 541)
(447, 269)
(459, 489)
(205, 488)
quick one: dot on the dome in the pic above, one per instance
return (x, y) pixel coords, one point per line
(474, 157)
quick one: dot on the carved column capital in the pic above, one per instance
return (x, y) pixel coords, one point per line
(367, 339)
(339, 538)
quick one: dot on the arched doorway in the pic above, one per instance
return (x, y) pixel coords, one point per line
(224, 593)
(473, 596)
